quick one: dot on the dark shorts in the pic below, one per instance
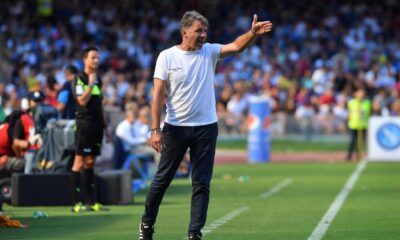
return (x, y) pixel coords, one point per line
(88, 137)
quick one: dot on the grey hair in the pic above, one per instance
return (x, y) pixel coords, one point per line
(190, 16)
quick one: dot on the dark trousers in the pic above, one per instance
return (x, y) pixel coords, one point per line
(202, 142)
(354, 144)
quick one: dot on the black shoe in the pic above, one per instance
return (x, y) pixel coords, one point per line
(146, 232)
(194, 237)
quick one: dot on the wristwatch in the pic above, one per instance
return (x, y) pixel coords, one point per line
(91, 85)
(155, 130)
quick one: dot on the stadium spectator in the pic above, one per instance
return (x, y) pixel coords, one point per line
(237, 105)
(66, 103)
(340, 114)
(322, 78)
(356, 41)
(3, 96)
(187, 71)
(51, 90)
(305, 114)
(380, 102)
(395, 108)
(42, 113)
(134, 133)
(16, 134)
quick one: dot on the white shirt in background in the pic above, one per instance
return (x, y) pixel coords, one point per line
(132, 134)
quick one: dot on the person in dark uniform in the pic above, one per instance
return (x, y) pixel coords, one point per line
(42, 113)
(90, 124)
(66, 102)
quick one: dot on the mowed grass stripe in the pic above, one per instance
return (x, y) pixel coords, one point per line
(372, 210)
(291, 214)
(277, 188)
(330, 215)
(218, 223)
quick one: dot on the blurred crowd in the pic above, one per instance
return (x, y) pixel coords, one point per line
(308, 67)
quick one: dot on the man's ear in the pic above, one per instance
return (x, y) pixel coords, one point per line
(183, 32)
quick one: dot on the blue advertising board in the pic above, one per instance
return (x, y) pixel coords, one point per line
(258, 139)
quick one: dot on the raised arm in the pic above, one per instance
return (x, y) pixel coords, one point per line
(244, 40)
(87, 94)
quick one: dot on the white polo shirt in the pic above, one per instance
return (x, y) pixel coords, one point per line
(189, 77)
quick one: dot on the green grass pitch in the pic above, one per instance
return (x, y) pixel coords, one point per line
(371, 211)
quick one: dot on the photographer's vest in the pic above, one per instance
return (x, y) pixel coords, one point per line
(359, 112)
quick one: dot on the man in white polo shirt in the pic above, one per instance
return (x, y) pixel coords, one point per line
(184, 74)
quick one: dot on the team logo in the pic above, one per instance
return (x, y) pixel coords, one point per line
(267, 122)
(253, 122)
(388, 136)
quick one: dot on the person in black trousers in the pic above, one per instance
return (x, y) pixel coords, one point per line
(184, 74)
(90, 126)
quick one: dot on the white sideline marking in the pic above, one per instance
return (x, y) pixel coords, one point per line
(276, 188)
(327, 219)
(218, 223)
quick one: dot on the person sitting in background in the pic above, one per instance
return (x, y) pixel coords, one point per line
(380, 102)
(51, 90)
(5, 143)
(41, 112)
(66, 102)
(305, 114)
(134, 132)
(395, 108)
(238, 104)
(15, 134)
(340, 114)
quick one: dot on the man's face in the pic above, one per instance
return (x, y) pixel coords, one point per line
(130, 117)
(143, 116)
(195, 35)
(32, 104)
(69, 75)
(359, 94)
(92, 59)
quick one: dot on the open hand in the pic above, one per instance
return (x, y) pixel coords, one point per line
(259, 28)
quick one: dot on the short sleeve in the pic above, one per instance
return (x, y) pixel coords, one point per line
(161, 70)
(215, 50)
(63, 97)
(74, 85)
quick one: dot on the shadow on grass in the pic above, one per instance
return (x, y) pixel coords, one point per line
(178, 188)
